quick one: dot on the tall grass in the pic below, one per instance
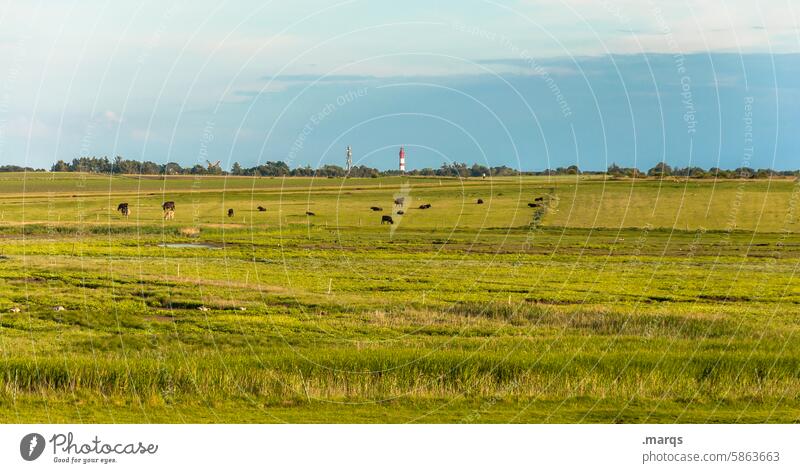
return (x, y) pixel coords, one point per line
(385, 374)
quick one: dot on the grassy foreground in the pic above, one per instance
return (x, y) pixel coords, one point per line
(612, 301)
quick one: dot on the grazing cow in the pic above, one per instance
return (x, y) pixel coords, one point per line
(123, 209)
(169, 210)
(387, 219)
(399, 201)
(375, 209)
(400, 212)
(310, 214)
(230, 212)
(425, 206)
(261, 209)
(533, 206)
(538, 199)
(480, 201)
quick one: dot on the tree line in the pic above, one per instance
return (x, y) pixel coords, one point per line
(663, 169)
(120, 165)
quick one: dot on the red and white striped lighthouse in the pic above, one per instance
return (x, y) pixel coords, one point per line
(402, 160)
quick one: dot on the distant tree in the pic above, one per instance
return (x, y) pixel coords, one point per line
(270, 168)
(697, 172)
(503, 171)
(172, 168)
(614, 170)
(478, 170)
(302, 171)
(424, 172)
(236, 169)
(454, 169)
(125, 166)
(364, 171)
(214, 169)
(693, 171)
(618, 171)
(331, 170)
(150, 168)
(661, 169)
(13, 168)
(60, 166)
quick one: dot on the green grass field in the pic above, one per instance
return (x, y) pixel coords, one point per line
(614, 301)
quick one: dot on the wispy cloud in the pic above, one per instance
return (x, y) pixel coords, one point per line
(321, 78)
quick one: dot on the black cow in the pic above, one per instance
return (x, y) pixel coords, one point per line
(261, 209)
(480, 201)
(425, 206)
(310, 214)
(399, 201)
(375, 209)
(230, 212)
(538, 199)
(387, 219)
(533, 206)
(400, 212)
(123, 209)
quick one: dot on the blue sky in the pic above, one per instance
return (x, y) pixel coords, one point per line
(530, 84)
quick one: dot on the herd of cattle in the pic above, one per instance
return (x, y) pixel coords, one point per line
(169, 209)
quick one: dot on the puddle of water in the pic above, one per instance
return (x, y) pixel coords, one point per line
(190, 245)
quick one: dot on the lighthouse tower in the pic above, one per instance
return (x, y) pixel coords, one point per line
(349, 156)
(402, 160)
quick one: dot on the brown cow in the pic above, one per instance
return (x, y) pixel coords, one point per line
(387, 219)
(230, 212)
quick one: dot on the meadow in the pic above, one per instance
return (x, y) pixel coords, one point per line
(612, 301)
